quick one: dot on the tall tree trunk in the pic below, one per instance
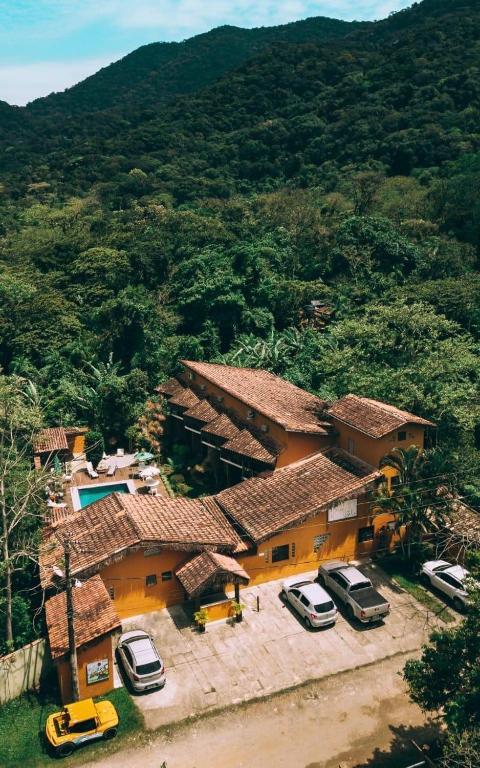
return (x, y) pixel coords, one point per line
(7, 585)
(72, 645)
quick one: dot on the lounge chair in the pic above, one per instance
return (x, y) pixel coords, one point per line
(112, 468)
(120, 451)
(90, 470)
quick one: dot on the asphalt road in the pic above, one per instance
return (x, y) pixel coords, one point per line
(357, 719)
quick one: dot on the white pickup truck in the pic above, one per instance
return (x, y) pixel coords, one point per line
(355, 590)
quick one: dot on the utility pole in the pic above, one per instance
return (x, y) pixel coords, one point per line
(72, 645)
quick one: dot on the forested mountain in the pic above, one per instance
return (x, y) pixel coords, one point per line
(190, 199)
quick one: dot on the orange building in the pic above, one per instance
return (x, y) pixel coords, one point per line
(95, 621)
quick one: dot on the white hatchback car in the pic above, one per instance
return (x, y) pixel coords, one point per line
(447, 578)
(311, 601)
(141, 661)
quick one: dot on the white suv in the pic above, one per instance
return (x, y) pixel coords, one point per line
(311, 601)
(448, 578)
(141, 661)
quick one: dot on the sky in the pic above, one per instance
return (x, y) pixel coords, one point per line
(49, 45)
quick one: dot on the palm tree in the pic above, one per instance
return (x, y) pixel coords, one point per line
(417, 499)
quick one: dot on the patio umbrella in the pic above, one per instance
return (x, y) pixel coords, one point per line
(149, 472)
(143, 456)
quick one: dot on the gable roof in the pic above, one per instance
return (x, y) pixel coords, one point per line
(106, 529)
(170, 388)
(264, 505)
(94, 616)
(246, 444)
(373, 417)
(204, 568)
(51, 439)
(285, 404)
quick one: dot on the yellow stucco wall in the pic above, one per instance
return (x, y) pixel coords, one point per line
(373, 450)
(342, 543)
(127, 577)
(218, 611)
(95, 652)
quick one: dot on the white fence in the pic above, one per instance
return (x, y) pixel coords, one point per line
(23, 670)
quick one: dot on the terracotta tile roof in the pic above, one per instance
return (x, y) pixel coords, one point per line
(106, 529)
(264, 505)
(285, 404)
(373, 417)
(184, 399)
(463, 525)
(204, 568)
(222, 427)
(52, 439)
(245, 444)
(94, 616)
(203, 411)
(170, 388)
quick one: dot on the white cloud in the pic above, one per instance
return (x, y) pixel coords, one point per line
(21, 83)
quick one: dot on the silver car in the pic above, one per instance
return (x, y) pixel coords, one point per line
(141, 661)
(447, 578)
(311, 601)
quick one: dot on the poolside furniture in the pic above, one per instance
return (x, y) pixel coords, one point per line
(90, 470)
(120, 452)
(112, 468)
(54, 505)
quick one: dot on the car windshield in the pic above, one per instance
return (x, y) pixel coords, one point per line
(148, 669)
(324, 607)
(360, 585)
(441, 567)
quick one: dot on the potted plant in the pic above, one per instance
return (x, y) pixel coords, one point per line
(236, 609)
(201, 618)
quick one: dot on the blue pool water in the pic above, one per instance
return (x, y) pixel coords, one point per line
(96, 492)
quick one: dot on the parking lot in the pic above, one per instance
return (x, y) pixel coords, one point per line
(270, 650)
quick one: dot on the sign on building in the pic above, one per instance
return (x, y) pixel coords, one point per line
(97, 671)
(343, 511)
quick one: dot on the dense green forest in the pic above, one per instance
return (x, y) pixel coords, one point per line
(190, 199)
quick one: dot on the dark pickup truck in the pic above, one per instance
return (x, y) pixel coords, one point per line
(355, 590)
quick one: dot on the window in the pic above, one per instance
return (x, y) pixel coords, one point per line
(148, 669)
(167, 576)
(111, 592)
(304, 600)
(280, 553)
(151, 580)
(340, 580)
(294, 550)
(318, 541)
(449, 580)
(402, 435)
(84, 726)
(366, 534)
(351, 446)
(295, 593)
(128, 655)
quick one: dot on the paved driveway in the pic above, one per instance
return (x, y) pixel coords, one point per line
(269, 651)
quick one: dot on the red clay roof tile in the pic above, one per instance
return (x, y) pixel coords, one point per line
(373, 417)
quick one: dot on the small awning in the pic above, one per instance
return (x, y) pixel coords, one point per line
(218, 431)
(170, 388)
(210, 568)
(245, 448)
(199, 415)
(183, 401)
(52, 439)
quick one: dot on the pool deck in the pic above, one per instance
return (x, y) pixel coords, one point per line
(123, 474)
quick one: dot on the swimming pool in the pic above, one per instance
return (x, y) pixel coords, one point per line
(87, 494)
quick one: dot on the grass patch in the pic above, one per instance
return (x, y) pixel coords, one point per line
(22, 723)
(401, 572)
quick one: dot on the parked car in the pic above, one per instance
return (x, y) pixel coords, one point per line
(355, 590)
(311, 601)
(79, 723)
(448, 578)
(141, 661)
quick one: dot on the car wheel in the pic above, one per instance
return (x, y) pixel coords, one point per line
(424, 580)
(350, 613)
(308, 623)
(458, 605)
(65, 750)
(110, 734)
(320, 580)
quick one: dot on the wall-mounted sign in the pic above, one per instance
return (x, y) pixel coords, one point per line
(97, 671)
(343, 511)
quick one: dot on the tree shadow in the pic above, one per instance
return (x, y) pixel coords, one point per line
(402, 751)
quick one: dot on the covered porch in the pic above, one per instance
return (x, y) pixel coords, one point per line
(205, 578)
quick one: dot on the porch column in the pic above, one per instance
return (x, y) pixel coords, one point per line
(237, 592)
